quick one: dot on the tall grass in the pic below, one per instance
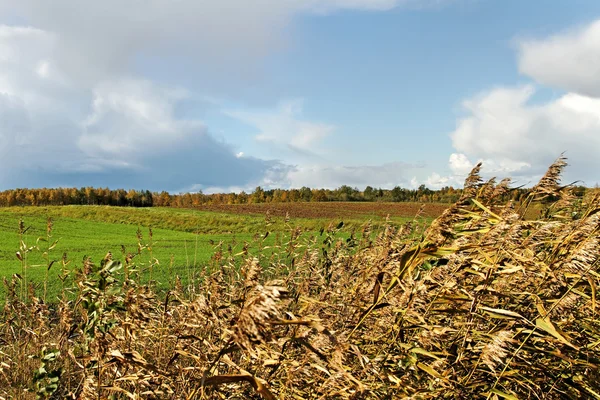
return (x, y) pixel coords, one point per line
(483, 304)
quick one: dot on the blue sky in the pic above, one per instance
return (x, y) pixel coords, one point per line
(229, 95)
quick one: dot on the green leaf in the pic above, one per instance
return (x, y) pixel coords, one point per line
(440, 251)
(40, 373)
(114, 266)
(51, 356)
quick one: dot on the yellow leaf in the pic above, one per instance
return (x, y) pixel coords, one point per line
(547, 326)
(593, 287)
(503, 395)
(487, 210)
(500, 313)
(510, 269)
(418, 350)
(429, 370)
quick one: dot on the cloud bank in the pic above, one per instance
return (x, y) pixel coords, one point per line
(515, 135)
(78, 106)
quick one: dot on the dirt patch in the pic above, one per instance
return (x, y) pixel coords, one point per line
(331, 209)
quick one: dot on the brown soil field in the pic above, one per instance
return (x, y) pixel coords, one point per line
(332, 209)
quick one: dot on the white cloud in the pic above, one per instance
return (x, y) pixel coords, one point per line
(436, 181)
(43, 69)
(285, 128)
(25, 55)
(568, 61)
(130, 136)
(385, 176)
(134, 118)
(459, 164)
(33, 104)
(514, 137)
(373, 5)
(101, 39)
(75, 106)
(331, 177)
(327, 6)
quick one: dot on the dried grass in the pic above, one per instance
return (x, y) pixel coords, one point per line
(484, 304)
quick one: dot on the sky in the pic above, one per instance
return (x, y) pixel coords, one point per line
(219, 96)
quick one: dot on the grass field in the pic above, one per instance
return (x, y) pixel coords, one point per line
(182, 242)
(484, 303)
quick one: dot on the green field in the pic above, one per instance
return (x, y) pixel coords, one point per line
(483, 303)
(183, 241)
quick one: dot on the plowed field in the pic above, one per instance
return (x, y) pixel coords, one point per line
(332, 209)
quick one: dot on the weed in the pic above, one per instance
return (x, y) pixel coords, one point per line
(482, 304)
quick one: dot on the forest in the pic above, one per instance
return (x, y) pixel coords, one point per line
(146, 198)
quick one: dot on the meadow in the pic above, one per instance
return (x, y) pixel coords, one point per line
(182, 241)
(481, 303)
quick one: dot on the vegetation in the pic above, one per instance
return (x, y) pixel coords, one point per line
(74, 239)
(183, 241)
(483, 304)
(334, 210)
(144, 198)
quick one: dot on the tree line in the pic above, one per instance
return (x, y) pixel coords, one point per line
(146, 198)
